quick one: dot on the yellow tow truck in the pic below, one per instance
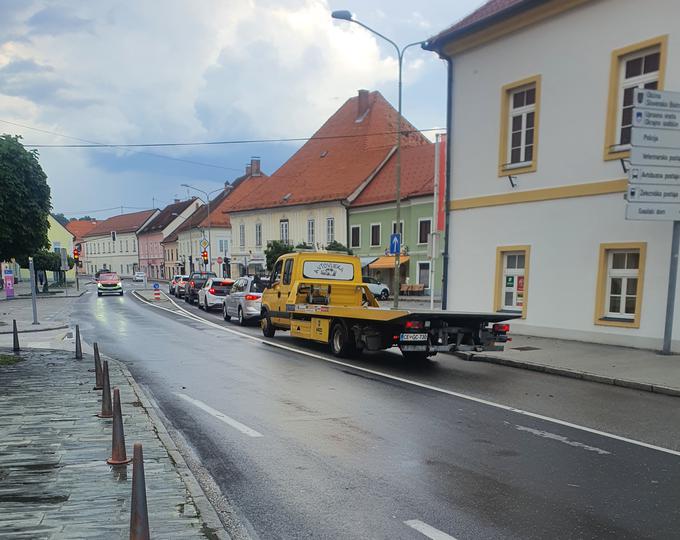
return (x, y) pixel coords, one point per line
(321, 296)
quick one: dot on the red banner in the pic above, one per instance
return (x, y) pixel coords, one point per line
(440, 181)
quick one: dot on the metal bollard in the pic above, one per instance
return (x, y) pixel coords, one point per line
(106, 394)
(15, 335)
(118, 455)
(79, 348)
(139, 516)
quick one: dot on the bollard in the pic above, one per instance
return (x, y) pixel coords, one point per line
(98, 385)
(106, 394)
(15, 335)
(79, 348)
(139, 516)
(118, 455)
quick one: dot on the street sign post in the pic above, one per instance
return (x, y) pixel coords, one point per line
(654, 176)
(395, 243)
(205, 243)
(8, 279)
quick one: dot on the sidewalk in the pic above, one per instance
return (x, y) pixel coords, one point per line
(54, 480)
(620, 366)
(53, 313)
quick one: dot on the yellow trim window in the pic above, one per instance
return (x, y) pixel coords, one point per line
(638, 66)
(512, 275)
(620, 280)
(520, 103)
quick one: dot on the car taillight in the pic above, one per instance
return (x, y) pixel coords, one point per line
(211, 290)
(252, 297)
(500, 328)
(414, 325)
(192, 284)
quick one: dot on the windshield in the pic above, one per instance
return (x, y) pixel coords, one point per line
(108, 277)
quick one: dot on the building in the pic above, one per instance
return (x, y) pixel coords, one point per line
(372, 220)
(539, 131)
(305, 201)
(152, 257)
(79, 228)
(112, 244)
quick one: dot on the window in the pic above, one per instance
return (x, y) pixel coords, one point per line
(287, 271)
(127, 247)
(638, 66)
(355, 240)
(330, 230)
(512, 277)
(121, 246)
(223, 246)
(424, 228)
(283, 231)
(311, 236)
(375, 234)
(619, 285)
(401, 229)
(520, 102)
(424, 273)
(258, 235)
(242, 235)
(134, 246)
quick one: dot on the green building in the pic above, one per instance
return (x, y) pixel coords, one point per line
(372, 221)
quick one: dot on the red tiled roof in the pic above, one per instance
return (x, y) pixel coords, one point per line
(336, 160)
(417, 177)
(241, 192)
(80, 228)
(216, 218)
(165, 217)
(122, 223)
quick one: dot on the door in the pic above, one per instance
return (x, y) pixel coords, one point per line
(233, 298)
(272, 294)
(282, 292)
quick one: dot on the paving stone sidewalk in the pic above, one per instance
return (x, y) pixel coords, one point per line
(54, 480)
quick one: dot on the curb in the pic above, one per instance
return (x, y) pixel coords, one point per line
(51, 296)
(573, 374)
(213, 527)
(45, 329)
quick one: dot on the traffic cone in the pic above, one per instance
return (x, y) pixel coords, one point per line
(97, 368)
(118, 456)
(106, 394)
(139, 516)
(79, 348)
(15, 335)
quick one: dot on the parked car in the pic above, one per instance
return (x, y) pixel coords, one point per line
(213, 293)
(109, 284)
(244, 300)
(378, 288)
(195, 283)
(138, 276)
(180, 286)
(173, 283)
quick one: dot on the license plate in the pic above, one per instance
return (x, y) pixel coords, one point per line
(413, 337)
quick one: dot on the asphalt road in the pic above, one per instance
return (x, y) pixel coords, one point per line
(306, 448)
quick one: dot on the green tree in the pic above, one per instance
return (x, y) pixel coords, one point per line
(61, 218)
(274, 249)
(85, 218)
(24, 200)
(337, 246)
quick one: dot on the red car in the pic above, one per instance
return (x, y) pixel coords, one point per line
(109, 283)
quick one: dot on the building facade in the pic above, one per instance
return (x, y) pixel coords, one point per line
(541, 97)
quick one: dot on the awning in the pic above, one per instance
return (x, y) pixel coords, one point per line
(365, 261)
(387, 262)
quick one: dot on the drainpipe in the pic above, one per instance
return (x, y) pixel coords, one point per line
(447, 221)
(346, 203)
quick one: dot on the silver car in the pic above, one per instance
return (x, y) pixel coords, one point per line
(245, 300)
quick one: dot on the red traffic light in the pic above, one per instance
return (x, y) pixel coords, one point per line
(76, 254)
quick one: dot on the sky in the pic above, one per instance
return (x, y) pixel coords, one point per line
(121, 72)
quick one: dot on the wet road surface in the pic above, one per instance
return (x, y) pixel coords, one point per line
(310, 449)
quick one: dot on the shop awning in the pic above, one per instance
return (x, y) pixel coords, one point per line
(365, 261)
(387, 262)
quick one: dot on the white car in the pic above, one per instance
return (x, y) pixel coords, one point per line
(138, 276)
(379, 289)
(212, 294)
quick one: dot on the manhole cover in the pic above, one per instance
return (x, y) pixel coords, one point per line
(526, 348)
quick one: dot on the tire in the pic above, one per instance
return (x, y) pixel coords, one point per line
(268, 329)
(225, 315)
(200, 306)
(340, 343)
(186, 298)
(98, 293)
(384, 294)
(415, 356)
(241, 320)
(121, 293)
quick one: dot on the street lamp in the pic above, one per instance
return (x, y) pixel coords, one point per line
(207, 202)
(345, 15)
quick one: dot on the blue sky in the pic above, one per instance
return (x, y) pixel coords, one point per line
(176, 71)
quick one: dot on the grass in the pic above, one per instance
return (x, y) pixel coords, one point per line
(8, 360)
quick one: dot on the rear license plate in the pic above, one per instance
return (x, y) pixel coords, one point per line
(413, 337)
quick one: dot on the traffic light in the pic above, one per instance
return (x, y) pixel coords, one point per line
(76, 254)
(204, 254)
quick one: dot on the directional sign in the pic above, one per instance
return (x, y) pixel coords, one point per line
(657, 99)
(156, 286)
(668, 157)
(652, 118)
(204, 243)
(650, 193)
(395, 243)
(654, 175)
(653, 211)
(655, 137)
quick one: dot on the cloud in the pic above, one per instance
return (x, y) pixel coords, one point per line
(55, 20)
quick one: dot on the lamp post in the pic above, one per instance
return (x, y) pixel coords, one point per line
(207, 202)
(345, 15)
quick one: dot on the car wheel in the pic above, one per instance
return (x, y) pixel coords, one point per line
(341, 344)
(384, 294)
(98, 293)
(225, 315)
(268, 329)
(121, 293)
(200, 306)
(186, 298)
(241, 320)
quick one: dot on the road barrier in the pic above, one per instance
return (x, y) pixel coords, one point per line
(79, 347)
(106, 411)
(118, 455)
(15, 335)
(98, 376)
(156, 294)
(139, 516)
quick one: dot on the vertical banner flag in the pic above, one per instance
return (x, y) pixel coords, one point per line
(440, 183)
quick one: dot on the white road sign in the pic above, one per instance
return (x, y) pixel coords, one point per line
(657, 99)
(653, 211)
(655, 138)
(669, 157)
(654, 175)
(649, 193)
(652, 118)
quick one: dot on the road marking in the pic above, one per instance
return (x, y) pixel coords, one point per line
(428, 530)
(221, 416)
(560, 438)
(189, 315)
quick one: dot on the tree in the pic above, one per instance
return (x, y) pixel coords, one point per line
(61, 218)
(24, 200)
(85, 218)
(274, 249)
(337, 246)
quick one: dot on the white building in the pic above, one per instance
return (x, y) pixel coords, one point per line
(541, 94)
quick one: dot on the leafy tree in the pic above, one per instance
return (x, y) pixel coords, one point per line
(24, 200)
(61, 218)
(274, 249)
(85, 218)
(47, 261)
(337, 246)
(303, 245)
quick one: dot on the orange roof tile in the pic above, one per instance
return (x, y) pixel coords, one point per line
(80, 228)
(417, 177)
(122, 223)
(331, 165)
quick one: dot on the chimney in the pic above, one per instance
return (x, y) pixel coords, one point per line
(362, 102)
(255, 166)
(249, 168)
(176, 200)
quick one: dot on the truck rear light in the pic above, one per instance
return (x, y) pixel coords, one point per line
(414, 325)
(252, 297)
(501, 328)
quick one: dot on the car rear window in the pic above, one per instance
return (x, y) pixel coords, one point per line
(257, 286)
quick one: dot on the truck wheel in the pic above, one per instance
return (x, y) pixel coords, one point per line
(268, 329)
(415, 356)
(340, 342)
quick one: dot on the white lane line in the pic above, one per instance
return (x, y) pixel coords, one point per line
(560, 438)
(221, 416)
(428, 530)
(474, 399)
